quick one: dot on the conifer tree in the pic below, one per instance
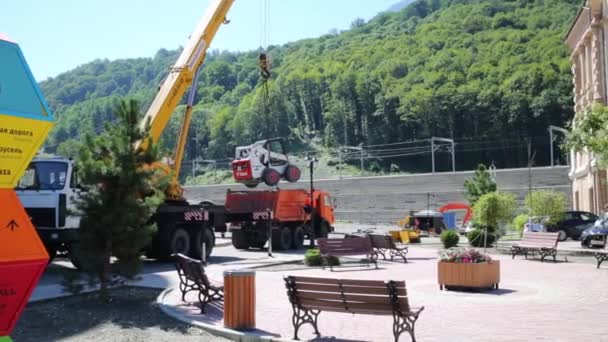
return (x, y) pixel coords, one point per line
(124, 192)
(481, 184)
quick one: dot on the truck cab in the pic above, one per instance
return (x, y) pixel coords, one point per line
(47, 190)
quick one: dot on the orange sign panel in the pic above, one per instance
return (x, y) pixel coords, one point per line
(23, 259)
(18, 238)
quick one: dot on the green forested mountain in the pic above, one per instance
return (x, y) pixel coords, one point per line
(453, 68)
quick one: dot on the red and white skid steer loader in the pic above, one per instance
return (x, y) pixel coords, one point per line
(264, 161)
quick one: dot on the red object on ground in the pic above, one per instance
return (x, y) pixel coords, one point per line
(23, 259)
(458, 206)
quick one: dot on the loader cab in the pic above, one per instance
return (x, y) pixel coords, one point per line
(264, 161)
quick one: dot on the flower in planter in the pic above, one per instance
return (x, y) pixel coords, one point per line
(463, 255)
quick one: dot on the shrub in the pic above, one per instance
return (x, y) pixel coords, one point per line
(449, 238)
(547, 203)
(494, 208)
(476, 238)
(519, 221)
(313, 258)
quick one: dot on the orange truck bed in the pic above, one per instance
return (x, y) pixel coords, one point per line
(280, 205)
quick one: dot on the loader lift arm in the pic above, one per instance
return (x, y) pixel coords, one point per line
(181, 77)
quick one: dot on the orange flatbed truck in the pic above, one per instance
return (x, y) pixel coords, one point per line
(291, 216)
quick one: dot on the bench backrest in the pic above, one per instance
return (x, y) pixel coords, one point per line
(349, 246)
(374, 297)
(541, 239)
(382, 241)
(192, 269)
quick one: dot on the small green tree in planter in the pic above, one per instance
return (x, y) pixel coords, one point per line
(519, 221)
(449, 238)
(492, 209)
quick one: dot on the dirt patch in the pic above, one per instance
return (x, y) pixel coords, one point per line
(131, 316)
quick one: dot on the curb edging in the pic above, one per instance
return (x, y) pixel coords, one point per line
(234, 335)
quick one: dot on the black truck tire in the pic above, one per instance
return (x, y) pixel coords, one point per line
(323, 230)
(239, 239)
(298, 238)
(180, 242)
(75, 255)
(271, 176)
(202, 236)
(281, 238)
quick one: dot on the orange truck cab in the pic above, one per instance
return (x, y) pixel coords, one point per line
(290, 215)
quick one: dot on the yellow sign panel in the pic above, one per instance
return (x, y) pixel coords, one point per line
(20, 139)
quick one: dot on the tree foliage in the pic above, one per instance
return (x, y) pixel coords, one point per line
(454, 68)
(493, 209)
(481, 184)
(547, 203)
(124, 192)
(590, 132)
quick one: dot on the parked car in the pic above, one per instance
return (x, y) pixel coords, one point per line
(536, 224)
(573, 224)
(595, 235)
(465, 229)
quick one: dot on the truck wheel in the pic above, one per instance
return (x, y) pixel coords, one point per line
(180, 242)
(256, 243)
(239, 239)
(298, 238)
(271, 177)
(51, 251)
(199, 237)
(281, 238)
(292, 173)
(75, 256)
(323, 230)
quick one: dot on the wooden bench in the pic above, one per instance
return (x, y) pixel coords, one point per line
(602, 255)
(309, 296)
(383, 244)
(543, 243)
(192, 277)
(345, 247)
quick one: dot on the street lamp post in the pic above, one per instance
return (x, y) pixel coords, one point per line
(311, 163)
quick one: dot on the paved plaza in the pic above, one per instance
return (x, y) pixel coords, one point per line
(563, 301)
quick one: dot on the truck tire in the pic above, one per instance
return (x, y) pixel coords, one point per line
(323, 230)
(298, 238)
(271, 176)
(179, 242)
(281, 238)
(239, 239)
(256, 243)
(292, 173)
(202, 236)
(75, 256)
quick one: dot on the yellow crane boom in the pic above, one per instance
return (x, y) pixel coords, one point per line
(181, 77)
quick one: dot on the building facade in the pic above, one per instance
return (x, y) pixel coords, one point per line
(588, 44)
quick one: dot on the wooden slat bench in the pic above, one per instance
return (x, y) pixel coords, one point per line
(192, 277)
(602, 255)
(543, 243)
(383, 244)
(345, 247)
(309, 296)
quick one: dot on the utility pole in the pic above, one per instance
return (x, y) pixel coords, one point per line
(340, 162)
(311, 164)
(552, 138)
(361, 158)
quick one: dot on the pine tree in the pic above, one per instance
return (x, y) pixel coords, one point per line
(481, 184)
(124, 192)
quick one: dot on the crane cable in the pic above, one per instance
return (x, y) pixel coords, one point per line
(263, 60)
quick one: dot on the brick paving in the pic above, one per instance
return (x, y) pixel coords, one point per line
(536, 302)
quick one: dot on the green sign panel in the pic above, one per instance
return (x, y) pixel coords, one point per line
(5, 339)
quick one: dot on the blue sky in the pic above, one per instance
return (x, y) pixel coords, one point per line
(59, 35)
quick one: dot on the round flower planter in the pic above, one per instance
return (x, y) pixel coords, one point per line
(485, 275)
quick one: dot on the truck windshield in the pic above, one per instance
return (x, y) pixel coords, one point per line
(44, 176)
